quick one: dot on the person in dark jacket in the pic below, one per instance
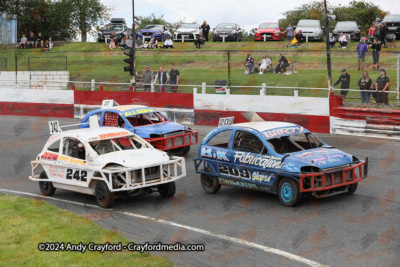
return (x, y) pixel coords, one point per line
(200, 39)
(382, 34)
(376, 47)
(344, 79)
(365, 88)
(282, 64)
(299, 37)
(205, 28)
(382, 88)
(31, 40)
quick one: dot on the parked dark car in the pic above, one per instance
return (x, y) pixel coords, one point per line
(231, 31)
(157, 30)
(117, 26)
(393, 24)
(348, 28)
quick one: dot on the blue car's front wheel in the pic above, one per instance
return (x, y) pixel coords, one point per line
(289, 192)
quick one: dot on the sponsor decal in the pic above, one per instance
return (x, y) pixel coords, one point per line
(137, 111)
(56, 171)
(247, 185)
(284, 131)
(219, 154)
(263, 178)
(111, 135)
(49, 156)
(234, 171)
(328, 159)
(267, 162)
(93, 138)
(70, 160)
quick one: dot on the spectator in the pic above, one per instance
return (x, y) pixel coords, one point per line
(382, 88)
(332, 41)
(365, 88)
(31, 40)
(23, 42)
(174, 79)
(205, 28)
(382, 34)
(162, 79)
(122, 44)
(342, 40)
(362, 48)
(344, 79)
(112, 41)
(50, 43)
(265, 62)
(376, 47)
(372, 29)
(168, 43)
(290, 34)
(200, 39)
(299, 37)
(138, 43)
(153, 42)
(39, 40)
(249, 63)
(146, 45)
(46, 46)
(283, 63)
(147, 78)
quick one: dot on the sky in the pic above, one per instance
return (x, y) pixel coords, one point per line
(248, 14)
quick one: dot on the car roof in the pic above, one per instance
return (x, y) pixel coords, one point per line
(128, 107)
(265, 125)
(91, 134)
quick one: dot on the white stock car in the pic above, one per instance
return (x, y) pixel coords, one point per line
(106, 162)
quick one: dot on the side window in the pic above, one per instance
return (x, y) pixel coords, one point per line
(74, 148)
(55, 147)
(248, 142)
(112, 119)
(221, 139)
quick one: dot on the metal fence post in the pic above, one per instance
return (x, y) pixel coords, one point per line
(194, 91)
(93, 85)
(263, 89)
(229, 70)
(228, 91)
(16, 70)
(398, 85)
(152, 89)
(203, 88)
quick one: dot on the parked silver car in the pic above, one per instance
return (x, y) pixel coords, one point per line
(187, 31)
(311, 28)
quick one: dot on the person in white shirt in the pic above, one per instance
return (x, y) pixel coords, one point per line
(265, 62)
(168, 43)
(342, 41)
(162, 78)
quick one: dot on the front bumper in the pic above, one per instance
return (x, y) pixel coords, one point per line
(176, 141)
(147, 36)
(269, 36)
(228, 37)
(188, 36)
(333, 179)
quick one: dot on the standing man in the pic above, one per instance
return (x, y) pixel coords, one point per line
(174, 79)
(376, 47)
(205, 28)
(362, 48)
(147, 78)
(345, 80)
(290, 34)
(382, 88)
(162, 79)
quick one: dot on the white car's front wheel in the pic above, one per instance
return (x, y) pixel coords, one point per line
(167, 190)
(46, 188)
(104, 197)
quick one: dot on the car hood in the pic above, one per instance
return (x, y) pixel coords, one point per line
(159, 129)
(133, 158)
(346, 29)
(187, 30)
(308, 29)
(267, 30)
(224, 30)
(323, 158)
(150, 30)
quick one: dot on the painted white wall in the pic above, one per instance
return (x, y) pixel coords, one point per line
(34, 79)
(37, 96)
(267, 104)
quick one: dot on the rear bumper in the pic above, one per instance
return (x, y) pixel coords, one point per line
(333, 180)
(166, 143)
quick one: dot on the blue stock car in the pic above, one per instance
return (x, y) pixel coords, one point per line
(147, 123)
(276, 157)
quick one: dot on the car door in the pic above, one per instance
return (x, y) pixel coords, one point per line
(252, 159)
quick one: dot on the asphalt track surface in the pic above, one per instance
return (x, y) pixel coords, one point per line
(238, 227)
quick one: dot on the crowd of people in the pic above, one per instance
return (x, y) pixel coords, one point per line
(266, 63)
(166, 81)
(33, 41)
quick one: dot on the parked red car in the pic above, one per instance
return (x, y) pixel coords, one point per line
(271, 30)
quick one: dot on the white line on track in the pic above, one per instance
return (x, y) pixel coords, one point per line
(194, 229)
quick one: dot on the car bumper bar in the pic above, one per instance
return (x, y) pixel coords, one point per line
(176, 141)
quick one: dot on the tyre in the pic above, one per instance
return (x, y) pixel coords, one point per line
(210, 184)
(289, 192)
(352, 188)
(46, 188)
(167, 190)
(104, 197)
(185, 150)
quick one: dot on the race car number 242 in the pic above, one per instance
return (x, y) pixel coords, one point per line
(77, 175)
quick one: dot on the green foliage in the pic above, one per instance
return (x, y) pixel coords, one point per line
(312, 10)
(152, 19)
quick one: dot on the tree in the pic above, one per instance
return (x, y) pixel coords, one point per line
(87, 13)
(152, 19)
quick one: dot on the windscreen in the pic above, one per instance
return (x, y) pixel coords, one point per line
(268, 26)
(346, 24)
(226, 26)
(308, 23)
(153, 27)
(392, 18)
(117, 144)
(146, 119)
(295, 143)
(189, 26)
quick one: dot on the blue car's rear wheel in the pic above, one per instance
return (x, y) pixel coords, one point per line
(289, 192)
(209, 183)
